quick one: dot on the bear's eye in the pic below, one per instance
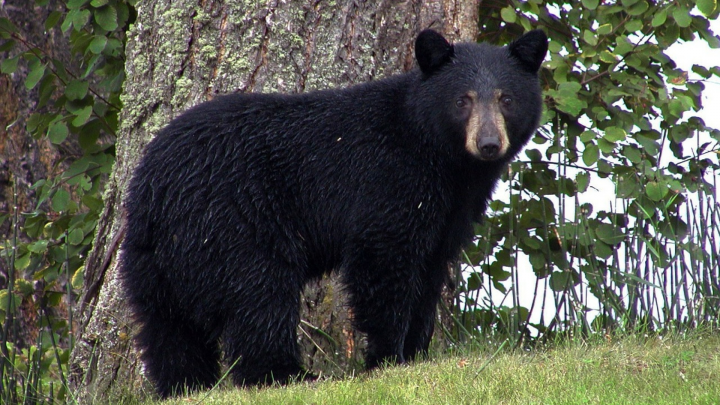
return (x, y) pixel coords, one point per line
(506, 101)
(462, 102)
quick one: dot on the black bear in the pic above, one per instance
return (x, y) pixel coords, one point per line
(241, 200)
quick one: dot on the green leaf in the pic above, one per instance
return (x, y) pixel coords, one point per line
(67, 22)
(22, 262)
(582, 180)
(11, 300)
(651, 147)
(537, 260)
(632, 153)
(93, 203)
(572, 106)
(713, 41)
(46, 90)
(7, 28)
(60, 200)
(604, 29)
(39, 246)
(58, 132)
(614, 134)
(659, 18)
(532, 242)
(474, 281)
(76, 168)
(52, 20)
(508, 14)
(560, 280)
(554, 47)
(24, 287)
(9, 65)
(682, 16)
(7, 45)
(707, 7)
(674, 228)
(82, 116)
(638, 8)
(589, 37)
(53, 298)
(634, 25)
(623, 46)
(677, 107)
(656, 191)
(591, 154)
(80, 19)
(78, 278)
(75, 237)
(76, 90)
(75, 4)
(97, 45)
(106, 17)
(605, 146)
(98, 3)
(533, 154)
(608, 57)
(91, 66)
(123, 13)
(590, 4)
(627, 186)
(567, 98)
(36, 73)
(609, 234)
(680, 133)
(33, 122)
(702, 71)
(587, 136)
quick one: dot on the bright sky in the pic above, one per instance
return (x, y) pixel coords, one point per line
(698, 53)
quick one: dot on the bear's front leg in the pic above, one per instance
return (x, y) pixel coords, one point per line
(383, 293)
(424, 314)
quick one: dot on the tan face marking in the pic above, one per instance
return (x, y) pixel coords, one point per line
(486, 121)
(472, 128)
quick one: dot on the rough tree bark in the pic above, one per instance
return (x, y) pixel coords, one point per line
(181, 53)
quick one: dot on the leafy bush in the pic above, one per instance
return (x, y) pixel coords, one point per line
(76, 106)
(620, 116)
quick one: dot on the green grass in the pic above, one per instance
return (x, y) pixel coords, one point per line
(632, 370)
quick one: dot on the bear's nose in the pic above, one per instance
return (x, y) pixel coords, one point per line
(489, 148)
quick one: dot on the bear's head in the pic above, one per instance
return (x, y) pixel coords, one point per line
(488, 97)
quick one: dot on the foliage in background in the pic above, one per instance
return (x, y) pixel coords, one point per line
(78, 108)
(620, 117)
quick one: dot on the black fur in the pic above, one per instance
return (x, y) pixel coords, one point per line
(240, 201)
(432, 51)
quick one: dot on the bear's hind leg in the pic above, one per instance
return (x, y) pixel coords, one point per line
(178, 355)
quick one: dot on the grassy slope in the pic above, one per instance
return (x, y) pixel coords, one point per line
(628, 371)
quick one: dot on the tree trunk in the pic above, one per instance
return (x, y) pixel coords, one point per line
(181, 53)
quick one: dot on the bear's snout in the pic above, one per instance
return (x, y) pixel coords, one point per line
(486, 135)
(489, 148)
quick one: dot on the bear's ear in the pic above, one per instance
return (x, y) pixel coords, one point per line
(432, 50)
(530, 50)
